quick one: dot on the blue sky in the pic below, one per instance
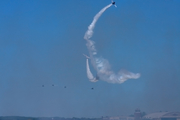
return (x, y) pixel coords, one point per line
(41, 43)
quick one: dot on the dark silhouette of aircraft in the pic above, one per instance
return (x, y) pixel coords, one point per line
(52, 84)
(113, 3)
(42, 85)
(92, 88)
(64, 86)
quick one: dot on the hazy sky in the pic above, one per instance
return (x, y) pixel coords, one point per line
(41, 43)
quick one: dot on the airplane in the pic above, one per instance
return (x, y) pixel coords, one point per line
(113, 3)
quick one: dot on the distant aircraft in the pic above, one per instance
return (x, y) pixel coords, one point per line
(113, 3)
(92, 88)
(64, 86)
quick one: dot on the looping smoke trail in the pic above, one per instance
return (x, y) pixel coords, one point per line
(100, 64)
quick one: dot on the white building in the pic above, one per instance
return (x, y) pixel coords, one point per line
(118, 118)
(163, 116)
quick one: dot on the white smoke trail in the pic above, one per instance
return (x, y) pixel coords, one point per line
(100, 64)
(89, 74)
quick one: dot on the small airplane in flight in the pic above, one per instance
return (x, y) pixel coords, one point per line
(113, 3)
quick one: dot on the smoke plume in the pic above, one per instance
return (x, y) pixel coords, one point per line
(89, 74)
(100, 64)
